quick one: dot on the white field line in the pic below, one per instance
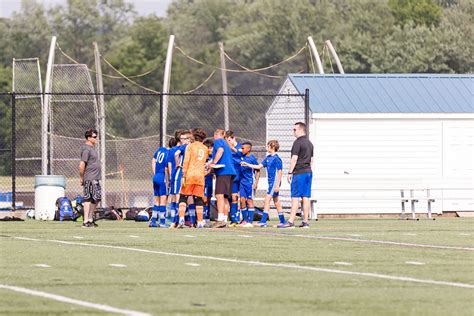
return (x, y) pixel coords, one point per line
(372, 241)
(42, 265)
(117, 265)
(416, 263)
(193, 264)
(69, 300)
(342, 263)
(259, 263)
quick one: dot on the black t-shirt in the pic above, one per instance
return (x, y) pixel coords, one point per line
(303, 148)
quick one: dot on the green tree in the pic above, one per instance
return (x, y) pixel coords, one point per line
(420, 12)
(81, 22)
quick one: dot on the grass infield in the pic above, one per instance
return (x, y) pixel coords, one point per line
(241, 271)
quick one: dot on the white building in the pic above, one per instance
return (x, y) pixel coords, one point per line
(375, 135)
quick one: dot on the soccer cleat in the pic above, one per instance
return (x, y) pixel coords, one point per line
(261, 224)
(86, 225)
(304, 225)
(246, 225)
(200, 225)
(153, 224)
(164, 226)
(180, 225)
(233, 224)
(287, 225)
(93, 224)
(219, 224)
(281, 225)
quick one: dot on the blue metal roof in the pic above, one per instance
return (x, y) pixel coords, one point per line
(387, 93)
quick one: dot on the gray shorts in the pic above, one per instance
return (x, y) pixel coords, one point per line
(92, 192)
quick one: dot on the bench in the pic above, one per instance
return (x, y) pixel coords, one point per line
(412, 199)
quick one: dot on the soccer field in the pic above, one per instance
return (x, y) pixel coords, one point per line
(356, 267)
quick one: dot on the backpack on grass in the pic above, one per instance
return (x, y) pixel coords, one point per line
(64, 210)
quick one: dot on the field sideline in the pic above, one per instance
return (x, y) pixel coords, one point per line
(355, 267)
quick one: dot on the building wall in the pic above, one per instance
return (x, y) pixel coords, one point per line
(358, 159)
(281, 116)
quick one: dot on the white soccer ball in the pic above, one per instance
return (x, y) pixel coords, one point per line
(30, 213)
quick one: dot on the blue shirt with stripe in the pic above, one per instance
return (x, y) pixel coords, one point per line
(247, 175)
(273, 163)
(208, 179)
(237, 159)
(161, 163)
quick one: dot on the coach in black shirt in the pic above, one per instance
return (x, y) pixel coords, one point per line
(300, 175)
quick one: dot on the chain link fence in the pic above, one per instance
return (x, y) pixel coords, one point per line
(134, 128)
(6, 179)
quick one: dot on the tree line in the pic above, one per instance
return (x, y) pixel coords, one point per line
(383, 36)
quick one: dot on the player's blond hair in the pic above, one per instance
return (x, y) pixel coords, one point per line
(274, 144)
(220, 132)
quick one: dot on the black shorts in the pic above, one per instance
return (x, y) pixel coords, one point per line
(92, 192)
(224, 185)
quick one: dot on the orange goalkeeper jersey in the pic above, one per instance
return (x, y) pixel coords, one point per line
(194, 163)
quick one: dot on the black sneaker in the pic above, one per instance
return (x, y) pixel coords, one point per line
(304, 225)
(288, 224)
(93, 224)
(87, 225)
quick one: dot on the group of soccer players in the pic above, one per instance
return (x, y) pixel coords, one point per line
(184, 174)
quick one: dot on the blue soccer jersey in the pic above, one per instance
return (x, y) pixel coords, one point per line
(247, 178)
(159, 181)
(208, 181)
(247, 175)
(178, 174)
(161, 157)
(237, 159)
(172, 161)
(226, 158)
(273, 163)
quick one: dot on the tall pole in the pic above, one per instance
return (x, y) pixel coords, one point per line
(162, 132)
(306, 110)
(45, 110)
(316, 55)
(224, 86)
(13, 150)
(101, 103)
(166, 85)
(334, 55)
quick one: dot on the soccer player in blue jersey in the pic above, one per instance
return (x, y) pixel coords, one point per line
(172, 172)
(185, 139)
(274, 167)
(208, 179)
(222, 155)
(236, 148)
(248, 184)
(160, 187)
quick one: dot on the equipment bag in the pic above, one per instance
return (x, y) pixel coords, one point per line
(64, 210)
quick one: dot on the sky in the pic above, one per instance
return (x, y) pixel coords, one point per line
(143, 7)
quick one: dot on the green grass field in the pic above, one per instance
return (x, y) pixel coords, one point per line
(336, 267)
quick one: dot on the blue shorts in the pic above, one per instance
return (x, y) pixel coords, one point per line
(246, 191)
(301, 185)
(271, 190)
(235, 186)
(159, 188)
(176, 184)
(208, 190)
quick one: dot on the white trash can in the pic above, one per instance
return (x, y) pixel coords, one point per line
(47, 190)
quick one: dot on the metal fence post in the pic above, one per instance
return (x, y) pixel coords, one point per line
(162, 131)
(306, 110)
(13, 148)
